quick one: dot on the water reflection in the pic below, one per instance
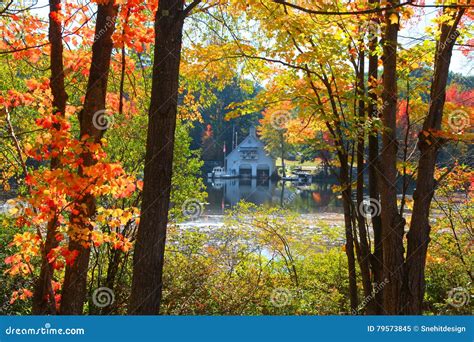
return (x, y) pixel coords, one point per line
(305, 199)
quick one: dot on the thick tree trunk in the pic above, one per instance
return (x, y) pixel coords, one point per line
(419, 234)
(150, 244)
(392, 222)
(75, 287)
(43, 297)
(372, 112)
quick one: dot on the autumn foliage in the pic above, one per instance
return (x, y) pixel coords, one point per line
(77, 171)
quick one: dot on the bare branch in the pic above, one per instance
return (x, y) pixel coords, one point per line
(190, 7)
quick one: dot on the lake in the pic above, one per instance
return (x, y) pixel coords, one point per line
(314, 198)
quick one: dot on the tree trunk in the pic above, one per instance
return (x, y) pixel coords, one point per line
(150, 244)
(364, 257)
(112, 269)
(43, 297)
(392, 222)
(418, 236)
(347, 205)
(75, 280)
(372, 112)
(344, 180)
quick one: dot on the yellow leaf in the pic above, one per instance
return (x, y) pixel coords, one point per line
(123, 220)
(13, 211)
(393, 18)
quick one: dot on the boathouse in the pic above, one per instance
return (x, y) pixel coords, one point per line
(249, 159)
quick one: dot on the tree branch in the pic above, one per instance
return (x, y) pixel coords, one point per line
(366, 11)
(190, 7)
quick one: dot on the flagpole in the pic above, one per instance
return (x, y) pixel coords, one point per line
(224, 150)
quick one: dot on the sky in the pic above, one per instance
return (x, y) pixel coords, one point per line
(459, 62)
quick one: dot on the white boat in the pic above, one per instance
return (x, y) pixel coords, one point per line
(219, 172)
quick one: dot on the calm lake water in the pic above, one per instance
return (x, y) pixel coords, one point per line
(314, 198)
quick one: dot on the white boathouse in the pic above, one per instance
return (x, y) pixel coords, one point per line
(249, 159)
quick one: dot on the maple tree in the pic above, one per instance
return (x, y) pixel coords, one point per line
(79, 169)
